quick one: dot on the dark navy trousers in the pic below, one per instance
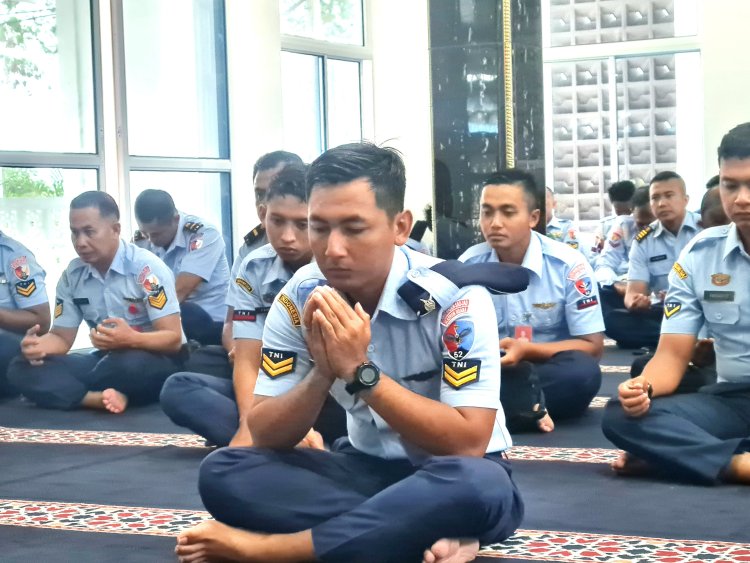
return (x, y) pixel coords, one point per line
(362, 508)
(10, 347)
(62, 381)
(690, 436)
(206, 405)
(198, 324)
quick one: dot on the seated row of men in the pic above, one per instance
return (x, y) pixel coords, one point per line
(420, 381)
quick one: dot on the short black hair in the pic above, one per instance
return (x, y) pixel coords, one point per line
(516, 177)
(102, 201)
(383, 167)
(711, 198)
(289, 182)
(621, 191)
(664, 176)
(154, 206)
(736, 143)
(713, 182)
(271, 160)
(640, 197)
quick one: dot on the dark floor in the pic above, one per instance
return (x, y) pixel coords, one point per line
(561, 497)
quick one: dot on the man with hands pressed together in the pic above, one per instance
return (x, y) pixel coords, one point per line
(127, 297)
(702, 437)
(422, 462)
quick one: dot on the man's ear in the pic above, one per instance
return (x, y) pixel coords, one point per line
(403, 222)
(117, 228)
(262, 210)
(534, 218)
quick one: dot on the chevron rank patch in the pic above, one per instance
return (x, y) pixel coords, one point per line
(158, 299)
(459, 373)
(26, 288)
(244, 286)
(291, 308)
(278, 362)
(58, 308)
(671, 308)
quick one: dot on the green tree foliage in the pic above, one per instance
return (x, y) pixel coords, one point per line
(24, 182)
(27, 28)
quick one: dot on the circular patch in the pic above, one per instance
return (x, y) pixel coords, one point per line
(458, 338)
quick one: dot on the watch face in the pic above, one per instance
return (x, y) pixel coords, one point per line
(368, 375)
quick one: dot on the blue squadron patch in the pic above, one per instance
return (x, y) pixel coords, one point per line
(458, 338)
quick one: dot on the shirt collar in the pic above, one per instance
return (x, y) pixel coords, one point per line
(118, 263)
(689, 222)
(554, 223)
(277, 272)
(534, 258)
(390, 301)
(732, 242)
(179, 239)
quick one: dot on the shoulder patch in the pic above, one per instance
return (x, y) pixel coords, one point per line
(20, 267)
(682, 274)
(291, 308)
(246, 287)
(572, 244)
(587, 302)
(26, 288)
(577, 271)
(459, 373)
(192, 227)
(58, 307)
(458, 308)
(644, 233)
(671, 308)
(458, 338)
(278, 362)
(254, 235)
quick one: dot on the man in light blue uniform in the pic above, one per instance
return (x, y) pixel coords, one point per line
(562, 230)
(423, 459)
(23, 302)
(651, 257)
(620, 195)
(215, 407)
(611, 266)
(704, 436)
(556, 324)
(264, 171)
(127, 298)
(196, 254)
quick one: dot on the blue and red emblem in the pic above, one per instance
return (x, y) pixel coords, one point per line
(584, 286)
(458, 338)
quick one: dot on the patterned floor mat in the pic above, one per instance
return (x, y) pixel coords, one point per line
(570, 547)
(99, 438)
(573, 455)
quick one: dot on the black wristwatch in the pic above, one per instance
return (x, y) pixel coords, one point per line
(649, 390)
(366, 376)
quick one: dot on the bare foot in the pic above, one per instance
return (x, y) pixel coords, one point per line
(449, 550)
(738, 470)
(214, 541)
(312, 440)
(114, 401)
(544, 424)
(627, 464)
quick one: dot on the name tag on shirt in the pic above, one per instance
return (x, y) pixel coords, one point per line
(81, 300)
(658, 258)
(718, 296)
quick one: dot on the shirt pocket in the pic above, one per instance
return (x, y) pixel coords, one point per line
(548, 318)
(721, 313)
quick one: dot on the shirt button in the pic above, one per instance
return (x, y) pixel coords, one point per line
(371, 348)
(412, 274)
(718, 316)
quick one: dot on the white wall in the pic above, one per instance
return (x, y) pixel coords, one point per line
(401, 91)
(726, 71)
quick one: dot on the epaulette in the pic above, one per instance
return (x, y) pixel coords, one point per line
(644, 233)
(138, 236)
(254, 235)
(192, 227)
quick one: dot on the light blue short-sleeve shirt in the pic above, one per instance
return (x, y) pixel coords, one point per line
(198, 248)
(260, 277)
(21, 277)
(448, 355)
(138, 287)
(656, 249)
(562, 299)
(612, 263)
(563, 230)
(708, 285)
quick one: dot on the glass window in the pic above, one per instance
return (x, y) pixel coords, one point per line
(572, 22)
(46, 77)
(176, 78)
(302, 96)
(344, 107)
(205, 194)
(34, 210)
(337, 21)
